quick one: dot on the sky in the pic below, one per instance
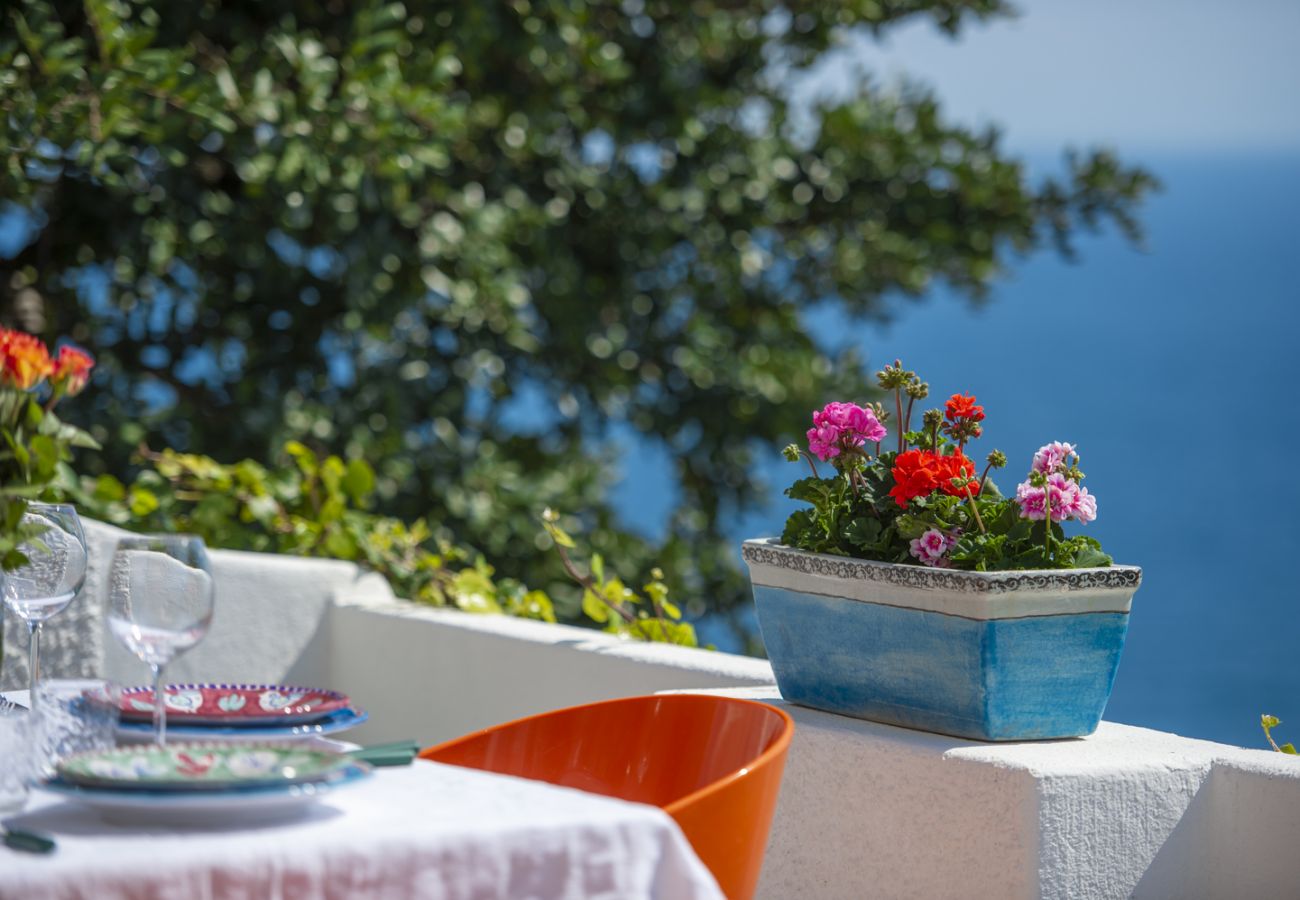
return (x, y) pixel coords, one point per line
(1166, 76)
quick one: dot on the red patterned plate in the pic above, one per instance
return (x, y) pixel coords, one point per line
(233, 704)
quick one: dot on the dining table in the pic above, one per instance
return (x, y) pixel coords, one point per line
(421, 830)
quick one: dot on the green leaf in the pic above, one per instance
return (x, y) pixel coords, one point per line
(303, 457)
(108, 489)
(359, 481)
(142, 502)
(535, 605)
(1090, 557)
(474, 592)
(862, 532)
(911, 527)
(551, 522)
(340, 544)
(1287, 748)
(594, 608)
(45, 457)
(811, 490)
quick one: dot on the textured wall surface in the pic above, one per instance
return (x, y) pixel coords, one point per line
(434, 674)
(873, 810)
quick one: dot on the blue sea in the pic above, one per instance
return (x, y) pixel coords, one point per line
(1174, 369)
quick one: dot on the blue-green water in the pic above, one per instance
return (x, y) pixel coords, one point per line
(1174, 371)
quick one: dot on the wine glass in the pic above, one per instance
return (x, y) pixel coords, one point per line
(49, 580)
(160, 603)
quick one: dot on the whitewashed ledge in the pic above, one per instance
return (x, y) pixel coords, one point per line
(865, 809)
(873, 810)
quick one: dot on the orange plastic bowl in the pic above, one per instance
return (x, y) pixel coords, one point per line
(713, 763)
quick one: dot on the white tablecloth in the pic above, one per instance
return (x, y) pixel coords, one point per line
(425, 830)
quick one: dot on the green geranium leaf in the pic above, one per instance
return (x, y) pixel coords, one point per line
(1091, 557)
(911, 527)
(811, 490)
(862, 532)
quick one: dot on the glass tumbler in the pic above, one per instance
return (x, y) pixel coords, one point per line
(73, 716)
(16, 757)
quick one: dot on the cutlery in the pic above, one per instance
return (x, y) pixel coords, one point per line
(396, 753)
(26, 841)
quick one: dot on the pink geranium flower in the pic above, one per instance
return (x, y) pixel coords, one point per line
(932, 549)
(1052, 457)
(1085, 508)
(839, 427)
(1070, 500)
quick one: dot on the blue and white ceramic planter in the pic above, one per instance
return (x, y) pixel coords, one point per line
(996, 656)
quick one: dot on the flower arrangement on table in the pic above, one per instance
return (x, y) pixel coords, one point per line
(35, 441)
(921, 501)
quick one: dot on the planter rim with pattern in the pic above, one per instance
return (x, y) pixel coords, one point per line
(1014, 655)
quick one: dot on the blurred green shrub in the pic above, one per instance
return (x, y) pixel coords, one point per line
(314, 506)
(477, 243)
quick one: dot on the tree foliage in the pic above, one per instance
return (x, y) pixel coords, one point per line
(469, 242)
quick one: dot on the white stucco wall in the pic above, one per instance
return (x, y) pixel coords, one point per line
(873, 810)
(433, 674)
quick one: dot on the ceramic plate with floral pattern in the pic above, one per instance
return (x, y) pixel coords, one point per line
(254, 805)
(233, 704)
(200, 766)
(335, 722)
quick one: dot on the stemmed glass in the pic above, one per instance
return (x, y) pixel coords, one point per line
(49, 580)
(160, 603)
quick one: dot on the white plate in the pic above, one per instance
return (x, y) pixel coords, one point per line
(206, 807)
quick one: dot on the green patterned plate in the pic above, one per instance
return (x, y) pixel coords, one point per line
(200, 766)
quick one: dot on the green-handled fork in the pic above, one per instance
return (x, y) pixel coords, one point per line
(396, 753)
(26, 841)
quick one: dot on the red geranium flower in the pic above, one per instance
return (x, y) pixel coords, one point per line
(72, 370)
(962, 407)
(919, 473)
(24, 360)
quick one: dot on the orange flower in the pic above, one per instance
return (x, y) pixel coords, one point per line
(919, 473)
(72, 370)
(24, 360)
(959, 407)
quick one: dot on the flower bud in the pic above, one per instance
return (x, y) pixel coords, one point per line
(917, 389)
(791, 452)
(997, 459)
(894, 377)
(932, 419)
